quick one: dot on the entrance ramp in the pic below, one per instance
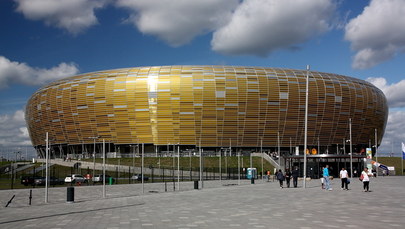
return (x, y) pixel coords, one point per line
(267, 158)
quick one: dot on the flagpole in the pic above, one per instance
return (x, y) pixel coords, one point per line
(403, 157)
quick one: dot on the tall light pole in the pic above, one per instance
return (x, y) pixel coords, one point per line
(351, 148)
(200, 164)
(278, 149)
(230, 155)
(178, 166)
(94, 153)
(103, 168)
(261, 152)
(133, 160)
(306, 128)
(376, 153)
(46, 167)
(173, 157)
(239, 168)
(220, 165)
(143, 156)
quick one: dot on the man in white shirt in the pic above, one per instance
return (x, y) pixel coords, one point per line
(343, 176)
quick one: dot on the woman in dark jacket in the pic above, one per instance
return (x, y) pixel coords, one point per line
(280, 177)
(287, 177)
(295, 174)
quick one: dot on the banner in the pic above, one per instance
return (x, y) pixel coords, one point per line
(403, 151)
(369, 153)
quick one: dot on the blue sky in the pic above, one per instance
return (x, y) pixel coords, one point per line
(45, 40)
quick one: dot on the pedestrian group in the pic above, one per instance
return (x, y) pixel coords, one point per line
(325, 179)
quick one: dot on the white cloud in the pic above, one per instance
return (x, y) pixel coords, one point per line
(395, 93)
(13, 130)
(259, 27)
(177, 22)
(73, 15)
(15, 72)
(378, 33)
(394, 133)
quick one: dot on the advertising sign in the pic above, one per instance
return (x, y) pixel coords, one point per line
(369, 154)
(251, 173)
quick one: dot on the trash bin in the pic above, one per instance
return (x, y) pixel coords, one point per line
(110, 181)
(252, 180)
(196, 184)
(70, 197)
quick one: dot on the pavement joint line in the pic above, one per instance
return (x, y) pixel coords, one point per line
(70, 212)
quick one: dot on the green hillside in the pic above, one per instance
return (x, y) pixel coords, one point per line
(392, 161)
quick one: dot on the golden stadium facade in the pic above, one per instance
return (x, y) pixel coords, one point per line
(211, 106)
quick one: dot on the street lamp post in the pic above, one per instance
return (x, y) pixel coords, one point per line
(94, 153)
(201, 176)
(351, 148)
(178, 166)
(261, 152)
(16, 156)
(376, 153)
(220, 165)
(103, 168)
(46, 167)
(143, 158)
(279, 150)
(133, 160)
(230, 151)
(306, 128)
(238, 167)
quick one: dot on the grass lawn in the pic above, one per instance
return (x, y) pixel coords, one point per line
(392, 161)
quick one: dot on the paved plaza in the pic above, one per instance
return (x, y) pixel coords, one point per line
(218, 205)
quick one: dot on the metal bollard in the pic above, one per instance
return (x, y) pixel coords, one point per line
(70, 197)
(196, 184)
(30, 198)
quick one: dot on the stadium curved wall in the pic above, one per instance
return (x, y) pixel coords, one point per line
(211, 105)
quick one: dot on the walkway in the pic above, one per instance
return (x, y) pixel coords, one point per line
(262, 205)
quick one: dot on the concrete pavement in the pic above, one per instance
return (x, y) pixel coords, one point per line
(226, 205)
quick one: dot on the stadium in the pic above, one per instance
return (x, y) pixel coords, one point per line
(217, 108)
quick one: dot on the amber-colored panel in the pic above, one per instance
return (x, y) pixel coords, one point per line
(183, 104)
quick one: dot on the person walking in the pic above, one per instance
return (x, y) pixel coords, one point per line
(326, 177)
(287, 177)
(343, 177)
(295, 174)
(280, 177)
(365, 178)
(322, 179)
